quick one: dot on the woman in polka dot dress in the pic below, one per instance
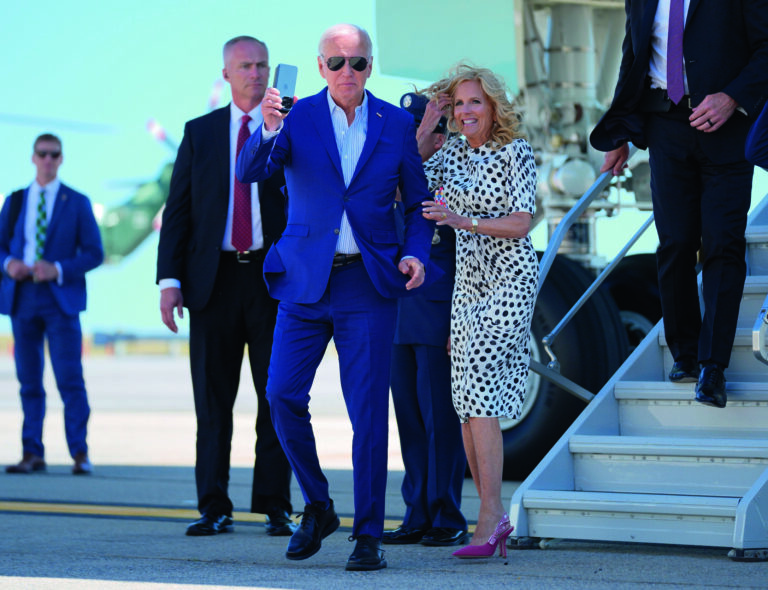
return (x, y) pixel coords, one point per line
(488, 180)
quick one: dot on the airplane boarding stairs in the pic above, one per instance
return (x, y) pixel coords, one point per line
(645, 463)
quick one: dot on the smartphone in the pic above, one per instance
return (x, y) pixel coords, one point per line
(285, 82)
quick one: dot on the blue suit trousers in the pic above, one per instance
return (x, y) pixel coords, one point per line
(36, 317)
(361, 323)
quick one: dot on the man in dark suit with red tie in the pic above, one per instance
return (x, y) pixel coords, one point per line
(214, 234)
(693, 76)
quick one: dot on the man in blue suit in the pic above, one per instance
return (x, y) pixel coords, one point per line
(48, 241)
(337, 271)
(693, 75)
(757, 140)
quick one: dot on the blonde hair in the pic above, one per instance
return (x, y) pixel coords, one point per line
(506, 121)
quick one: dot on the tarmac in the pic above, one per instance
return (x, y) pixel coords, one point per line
(123, 526)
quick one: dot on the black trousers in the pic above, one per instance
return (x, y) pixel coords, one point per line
(239, 312)
(698, 203)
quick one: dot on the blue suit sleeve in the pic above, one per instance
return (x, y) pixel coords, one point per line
(259, 159)
(757, 140)
(413, 190)
(90, 252)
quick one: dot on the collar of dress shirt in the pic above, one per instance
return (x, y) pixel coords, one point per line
(236, 115)
(363, 108)
(52, 188)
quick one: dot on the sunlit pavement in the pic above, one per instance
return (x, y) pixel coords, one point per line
(123, 527)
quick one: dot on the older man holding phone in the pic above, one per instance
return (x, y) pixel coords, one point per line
(337, 271)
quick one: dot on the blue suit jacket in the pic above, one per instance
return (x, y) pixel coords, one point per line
(725, 45)
(72, 240)
(757, 140)
(298, 266)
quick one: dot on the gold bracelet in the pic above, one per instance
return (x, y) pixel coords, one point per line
(473, 229)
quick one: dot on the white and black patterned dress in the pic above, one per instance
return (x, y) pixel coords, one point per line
(496, 278)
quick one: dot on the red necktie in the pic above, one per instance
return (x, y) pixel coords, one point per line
(675, 86)
(242, 231)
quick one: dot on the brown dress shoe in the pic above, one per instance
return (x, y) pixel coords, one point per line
(82, 465)
(28, 464)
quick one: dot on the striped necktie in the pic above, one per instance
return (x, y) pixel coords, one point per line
(41, 225)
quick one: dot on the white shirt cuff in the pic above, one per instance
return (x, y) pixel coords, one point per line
(168, 283)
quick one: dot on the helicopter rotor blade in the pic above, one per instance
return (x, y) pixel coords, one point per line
(51, 123)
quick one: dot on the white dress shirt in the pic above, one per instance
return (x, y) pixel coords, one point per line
(30, 222)
(659, 35)
(234, 129)
(350, 140)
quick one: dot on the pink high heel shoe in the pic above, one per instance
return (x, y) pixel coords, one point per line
(499, 537)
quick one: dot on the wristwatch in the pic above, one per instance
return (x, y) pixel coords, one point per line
(473, 229)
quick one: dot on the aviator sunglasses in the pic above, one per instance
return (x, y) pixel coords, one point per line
(356, 63)
(42, 154)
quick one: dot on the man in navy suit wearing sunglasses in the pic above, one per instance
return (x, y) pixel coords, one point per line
(337, 271)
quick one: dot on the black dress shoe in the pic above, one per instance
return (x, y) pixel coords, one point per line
(444, 537)
(317, 523)
(210, 525)
(710, 390)
(403, 535)
(29, 463)
(279, 523)
(684, 371)
(367, 555)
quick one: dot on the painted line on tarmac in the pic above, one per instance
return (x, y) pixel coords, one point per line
(138, 512)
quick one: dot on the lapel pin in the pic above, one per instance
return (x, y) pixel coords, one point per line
(378, 114)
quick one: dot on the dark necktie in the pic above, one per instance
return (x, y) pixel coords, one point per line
(41, 225)
(242, 231)
(675, 85)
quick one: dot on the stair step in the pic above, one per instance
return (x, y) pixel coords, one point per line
(743, 365)
(742, 339)
(661, 408)
(666, 465)
(756, 284)
(756, 234)
(636, 518)
(755, 290)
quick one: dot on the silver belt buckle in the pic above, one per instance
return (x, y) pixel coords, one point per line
(243, 260)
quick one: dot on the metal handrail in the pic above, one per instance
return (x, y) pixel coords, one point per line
(561, 232)
(758, 334)
(549, 339)
(551, 371)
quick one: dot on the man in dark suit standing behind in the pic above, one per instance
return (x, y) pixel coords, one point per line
(214, 234)
(694, 74)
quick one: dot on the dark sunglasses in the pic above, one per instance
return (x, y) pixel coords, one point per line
(356, 63)
(42, 154)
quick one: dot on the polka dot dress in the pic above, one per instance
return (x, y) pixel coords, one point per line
(496, 278)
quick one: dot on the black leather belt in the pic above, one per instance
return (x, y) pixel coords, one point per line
(243, 257)
(344, 259)
(656, 100)
(683, 105)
